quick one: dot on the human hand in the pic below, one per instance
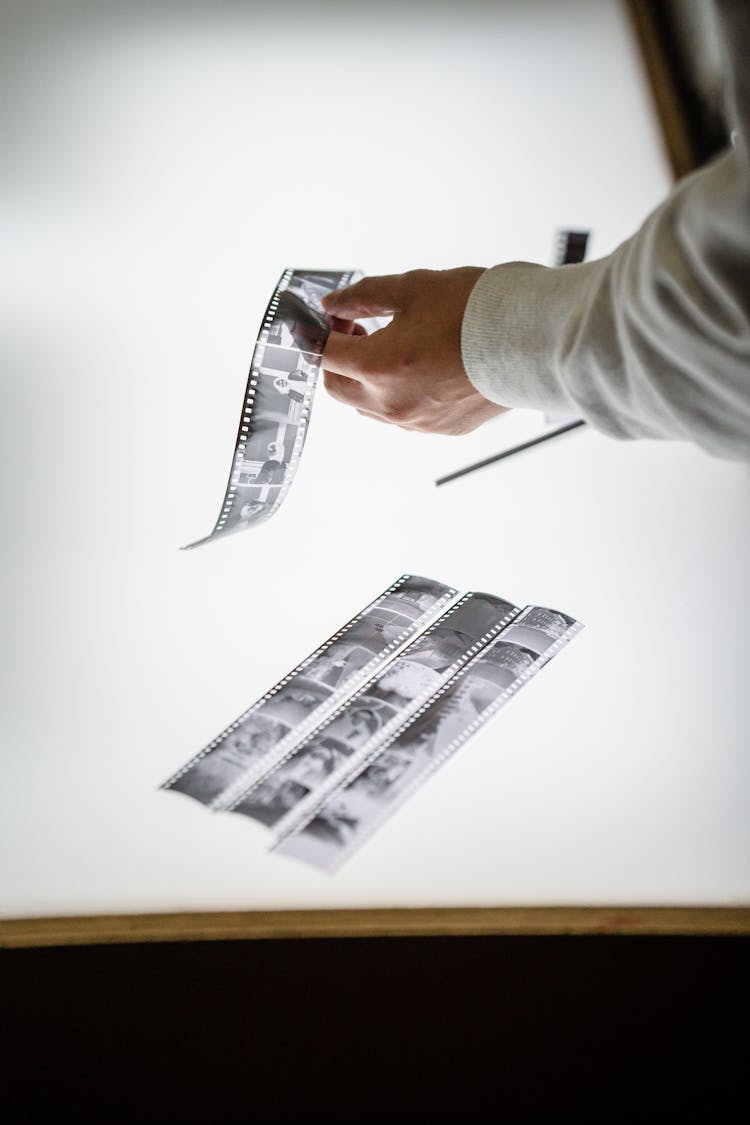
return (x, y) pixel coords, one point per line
(409, 373)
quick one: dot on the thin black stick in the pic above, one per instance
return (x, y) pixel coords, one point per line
(508, 452)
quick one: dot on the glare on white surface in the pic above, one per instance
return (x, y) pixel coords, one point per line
(159, 171)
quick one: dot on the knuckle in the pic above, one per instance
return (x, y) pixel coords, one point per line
(415, 279)
(398, 411)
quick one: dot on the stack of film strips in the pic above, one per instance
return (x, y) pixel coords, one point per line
(329, 753)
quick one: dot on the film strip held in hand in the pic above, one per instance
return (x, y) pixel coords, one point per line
(570, 247)
(354, 731)
(333, 827)
(278, 398)
(304, 698)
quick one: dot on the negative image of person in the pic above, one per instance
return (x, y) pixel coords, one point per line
(321, 758)
(272, 799)
(406, 680)
(253, 738)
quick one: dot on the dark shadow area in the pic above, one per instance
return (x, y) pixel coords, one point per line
(603, 1029)
(681, 53)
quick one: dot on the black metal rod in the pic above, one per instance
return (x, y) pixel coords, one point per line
(508, 452)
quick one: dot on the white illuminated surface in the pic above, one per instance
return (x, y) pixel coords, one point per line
(158, 175)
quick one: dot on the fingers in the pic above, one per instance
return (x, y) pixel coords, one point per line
(351, 394)
(339, 355)
(372, 296)
(344, 355)
(348, 391)
(347, 327)
(370, 399)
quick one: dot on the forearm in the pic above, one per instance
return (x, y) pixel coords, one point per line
(652, 341)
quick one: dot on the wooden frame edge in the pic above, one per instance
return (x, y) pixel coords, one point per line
(665, 93)
(115, 929)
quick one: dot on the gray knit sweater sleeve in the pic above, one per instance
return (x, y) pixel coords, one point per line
(654, 340)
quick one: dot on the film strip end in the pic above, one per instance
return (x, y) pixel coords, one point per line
(570, 247)
(278, 399)
(352, 813)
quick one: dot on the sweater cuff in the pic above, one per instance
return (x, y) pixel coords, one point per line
(514, 331)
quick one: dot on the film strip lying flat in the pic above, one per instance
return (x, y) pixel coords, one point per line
(330, 829)
(365, 718)
(321, 761)
(306, 697)
(278, 398)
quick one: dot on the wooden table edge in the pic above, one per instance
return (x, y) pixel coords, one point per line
(671, 111)
(105, 929)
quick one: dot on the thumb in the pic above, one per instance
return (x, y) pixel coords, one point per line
(372, 296)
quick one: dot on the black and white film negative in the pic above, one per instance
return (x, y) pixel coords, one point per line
(278, 398)
(311, 692)
(570, 247)
(330, 829)
(355, 730)
(331, 750)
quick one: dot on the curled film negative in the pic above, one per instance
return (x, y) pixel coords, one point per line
(303, 699)
(359, 726)
(329, 830)
(278, 398)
